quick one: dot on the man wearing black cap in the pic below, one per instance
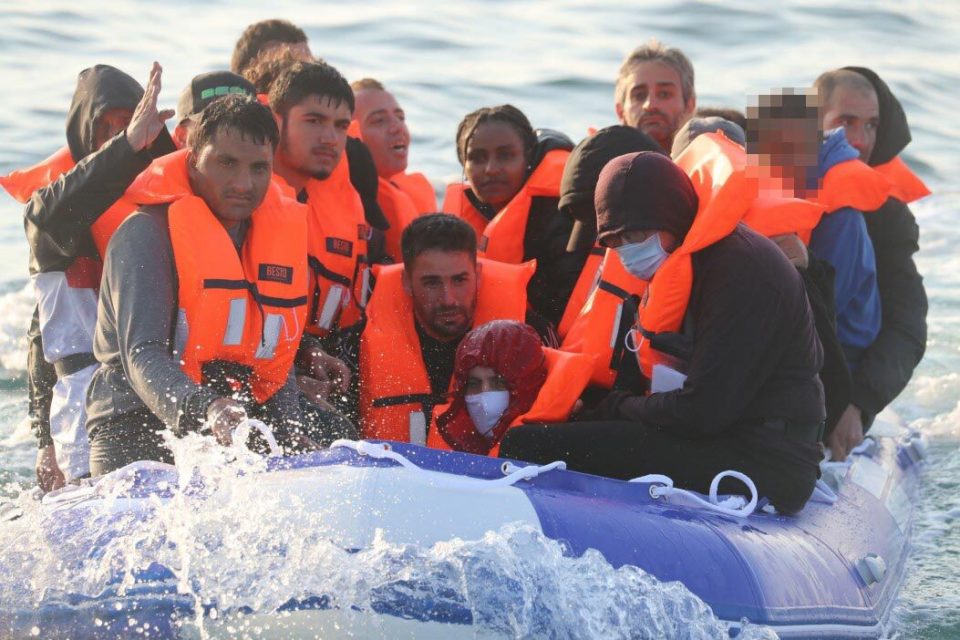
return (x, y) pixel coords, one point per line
(743, 358)
(202, 90)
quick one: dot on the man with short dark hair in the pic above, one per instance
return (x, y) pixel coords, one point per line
(203, 297)
(418, 314)
(313, 105)
(202, 90)
(267, 35)
(655, 91)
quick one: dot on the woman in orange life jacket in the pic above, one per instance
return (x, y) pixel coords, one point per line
(504, 377)
(858, 100)
(817, 277)
(745, 393)
(603, 305)
(512, 185)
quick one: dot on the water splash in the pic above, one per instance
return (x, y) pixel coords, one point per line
(234, 553)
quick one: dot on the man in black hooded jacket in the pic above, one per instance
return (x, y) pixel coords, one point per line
(113, 132)
(877, 126)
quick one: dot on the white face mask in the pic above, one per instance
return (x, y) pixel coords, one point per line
(487, 408)
(642, 259)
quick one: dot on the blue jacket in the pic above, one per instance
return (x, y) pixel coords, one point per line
(841, 239)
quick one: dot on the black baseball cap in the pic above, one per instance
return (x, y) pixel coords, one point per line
(207, 87)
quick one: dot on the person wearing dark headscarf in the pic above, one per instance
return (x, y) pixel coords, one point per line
(742, 391)
(498, 371)
(857, 99)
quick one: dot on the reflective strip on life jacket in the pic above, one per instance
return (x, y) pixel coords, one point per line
(601, 327)
(248, 308)
(716, 167)
(393, 378)
(589, 275)
(337, 246)
(906, 186)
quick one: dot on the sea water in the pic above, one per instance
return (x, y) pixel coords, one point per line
(557, 62)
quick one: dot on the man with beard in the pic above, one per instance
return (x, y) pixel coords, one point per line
(654, 91)
(418, 314)
(856, 99)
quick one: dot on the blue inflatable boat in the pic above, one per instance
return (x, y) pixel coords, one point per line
(832, 571)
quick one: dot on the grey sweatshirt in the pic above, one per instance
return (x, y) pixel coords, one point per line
(134, 336)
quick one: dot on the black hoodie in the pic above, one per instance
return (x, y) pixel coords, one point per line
(58, 217)
(887, 365)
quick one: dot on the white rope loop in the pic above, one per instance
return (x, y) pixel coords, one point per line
(662, 486)
(382, 451)
(242, 432)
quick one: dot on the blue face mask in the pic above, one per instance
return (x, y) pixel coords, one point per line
(642, 259)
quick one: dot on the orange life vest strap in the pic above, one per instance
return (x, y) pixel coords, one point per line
(853, 184)
(22, 183)
(906, 185)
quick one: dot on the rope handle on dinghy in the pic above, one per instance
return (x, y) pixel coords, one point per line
(662, 486)
(242, 431)
(383, 451)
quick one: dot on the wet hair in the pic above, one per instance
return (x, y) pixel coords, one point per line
(735, 116)
(258, 34)
(780, 104)
(303, 79)
(437, 231)
(656, 51)
(267, 68)
(366, 83)
(828, 81)
(506, 113)
(237, 112)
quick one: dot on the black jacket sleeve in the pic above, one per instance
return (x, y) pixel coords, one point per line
(41, 378)
(545, 239)
(887, 364)
(58, 217)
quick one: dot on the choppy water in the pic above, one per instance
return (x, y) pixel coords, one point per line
(556, 61)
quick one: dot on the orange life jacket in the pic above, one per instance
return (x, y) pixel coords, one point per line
(502, 237)
(589, 275)
(402, 199)
(605, 319)
(717, 170)
(23, 183)
(906, 186)
(337, 251)
(394, 385)
(247, 309)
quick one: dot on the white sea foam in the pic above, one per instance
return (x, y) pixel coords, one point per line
(232, 548)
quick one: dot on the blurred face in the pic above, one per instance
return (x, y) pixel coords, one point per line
(667, 240)
(443, 286)
(786, 150)
(496, 163)
(858, 112)
(313, 136)
(231, 173)
(110, 123)
(481, 379)
(383, 129)
(654, 102)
